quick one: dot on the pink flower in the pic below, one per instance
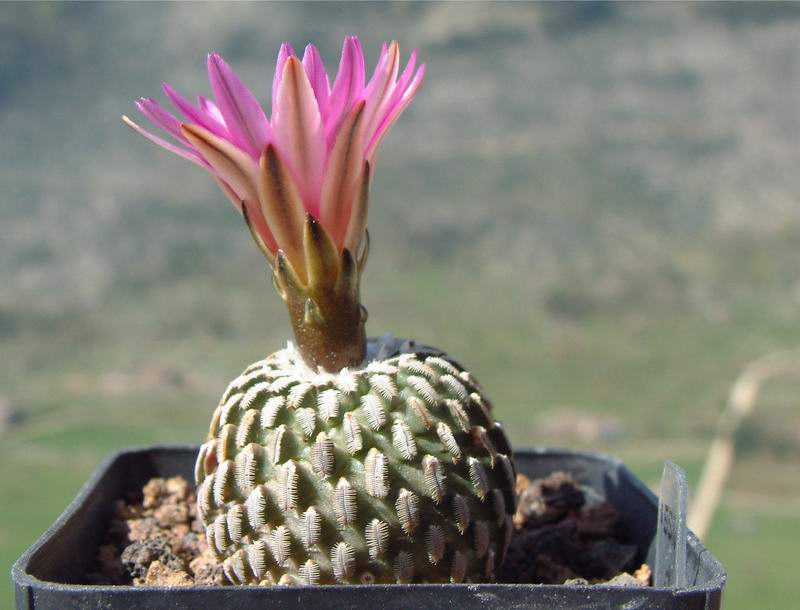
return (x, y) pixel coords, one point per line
(313, 156)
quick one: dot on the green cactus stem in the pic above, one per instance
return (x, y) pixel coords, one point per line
(395, 472)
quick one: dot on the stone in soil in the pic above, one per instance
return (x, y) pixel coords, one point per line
(157, 540)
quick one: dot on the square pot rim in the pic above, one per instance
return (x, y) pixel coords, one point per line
(25, 580)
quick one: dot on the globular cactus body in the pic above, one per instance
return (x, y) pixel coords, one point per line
(395, 472)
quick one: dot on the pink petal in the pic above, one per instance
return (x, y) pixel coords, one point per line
(244, 117)
(347, 88)
(231, 164)
(191, 155)
(160, 117)
(341, 176)
(315, 69)
(210, 108)
(236, 169)
(393, 114)
(298, 133)
(380, 88)
(286, 51)
(400, 86)
(193, 114)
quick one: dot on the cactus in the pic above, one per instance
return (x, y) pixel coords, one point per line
(338, 460)
(394, 472)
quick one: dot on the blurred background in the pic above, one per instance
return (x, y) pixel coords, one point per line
(595, 207)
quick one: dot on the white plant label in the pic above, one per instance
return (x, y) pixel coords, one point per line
(671, 533)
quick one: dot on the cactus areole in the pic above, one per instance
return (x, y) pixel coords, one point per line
(337, 459)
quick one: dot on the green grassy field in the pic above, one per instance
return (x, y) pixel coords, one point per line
(594, 207)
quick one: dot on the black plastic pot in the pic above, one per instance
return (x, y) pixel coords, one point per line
(50, 573)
